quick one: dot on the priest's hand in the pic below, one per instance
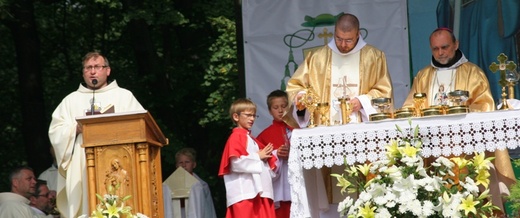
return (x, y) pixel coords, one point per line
(298, 101)
(79, 129)
(266, 152)
(356, 104)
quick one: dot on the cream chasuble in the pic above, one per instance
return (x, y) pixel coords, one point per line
(72, 192)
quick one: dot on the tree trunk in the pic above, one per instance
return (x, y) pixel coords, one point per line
(27, 45)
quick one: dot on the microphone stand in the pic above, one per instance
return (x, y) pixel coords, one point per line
(94, 82)
(92, 105)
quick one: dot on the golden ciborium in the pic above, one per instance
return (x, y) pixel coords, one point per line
(404, 112)
(418, 101)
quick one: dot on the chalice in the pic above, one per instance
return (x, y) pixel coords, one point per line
(382, 105)
(418, 101)
(458, 97)
(323, 110)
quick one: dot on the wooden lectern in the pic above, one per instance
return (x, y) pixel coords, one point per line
(125, 149)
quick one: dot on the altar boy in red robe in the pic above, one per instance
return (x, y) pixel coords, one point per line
(247, 169)
(279, 134)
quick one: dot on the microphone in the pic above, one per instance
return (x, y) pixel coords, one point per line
(94, 82)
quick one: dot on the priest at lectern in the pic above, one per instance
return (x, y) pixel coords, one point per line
(93, 96)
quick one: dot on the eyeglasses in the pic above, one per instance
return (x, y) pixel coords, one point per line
(340, 40)
(89, 68)
(45, 195)
(250, 115)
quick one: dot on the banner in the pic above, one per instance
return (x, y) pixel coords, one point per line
(278, 33)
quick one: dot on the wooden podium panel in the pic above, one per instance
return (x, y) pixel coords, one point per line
(125, 149)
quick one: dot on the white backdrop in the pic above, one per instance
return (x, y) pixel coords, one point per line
(274, 28)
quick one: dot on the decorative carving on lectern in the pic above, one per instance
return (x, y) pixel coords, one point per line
(123, 150)
(117, 177)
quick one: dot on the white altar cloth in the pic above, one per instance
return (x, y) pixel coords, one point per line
(442, 135)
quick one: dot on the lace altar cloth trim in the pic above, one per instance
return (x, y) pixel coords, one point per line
(442, 136)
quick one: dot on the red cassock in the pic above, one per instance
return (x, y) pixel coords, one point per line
(257, 207)
(276, 134)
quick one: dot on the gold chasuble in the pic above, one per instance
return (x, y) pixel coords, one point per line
(315, 71)
(468, 77)
(471, 78)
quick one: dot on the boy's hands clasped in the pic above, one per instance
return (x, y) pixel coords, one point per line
(266, 152)
(283, 152)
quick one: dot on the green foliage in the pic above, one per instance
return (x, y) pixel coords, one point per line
(222, 74)
(215, 9)
(514, 197)
(109, 3)
(182, 46)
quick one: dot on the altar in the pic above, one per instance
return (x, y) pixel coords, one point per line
(445, 135)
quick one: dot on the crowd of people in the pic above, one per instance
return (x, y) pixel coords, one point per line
(29, 197)
(254, 169)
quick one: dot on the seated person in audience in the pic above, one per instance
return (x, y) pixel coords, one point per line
(279, 134)
(50, 176)
(451, 70)
(16, 203)
(200, 201)
(40, 200)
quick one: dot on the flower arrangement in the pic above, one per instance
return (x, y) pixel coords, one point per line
(113, 206)
(400, 184)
